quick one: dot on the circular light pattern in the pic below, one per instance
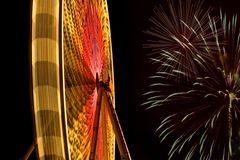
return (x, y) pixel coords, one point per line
(71, 51)
(87, 52)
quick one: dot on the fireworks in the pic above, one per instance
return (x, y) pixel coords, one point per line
(181, 33)
(197, 81)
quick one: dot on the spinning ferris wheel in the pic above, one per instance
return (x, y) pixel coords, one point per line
(73, 82)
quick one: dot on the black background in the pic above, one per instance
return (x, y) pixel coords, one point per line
(128, 20)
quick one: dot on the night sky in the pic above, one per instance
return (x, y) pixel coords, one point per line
(128, 20)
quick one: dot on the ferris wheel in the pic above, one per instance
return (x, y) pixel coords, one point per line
(73, 82)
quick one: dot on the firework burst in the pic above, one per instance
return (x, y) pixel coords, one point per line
(181, 33)
(201, 90)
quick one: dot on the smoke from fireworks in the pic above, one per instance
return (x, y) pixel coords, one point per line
(197, 81)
